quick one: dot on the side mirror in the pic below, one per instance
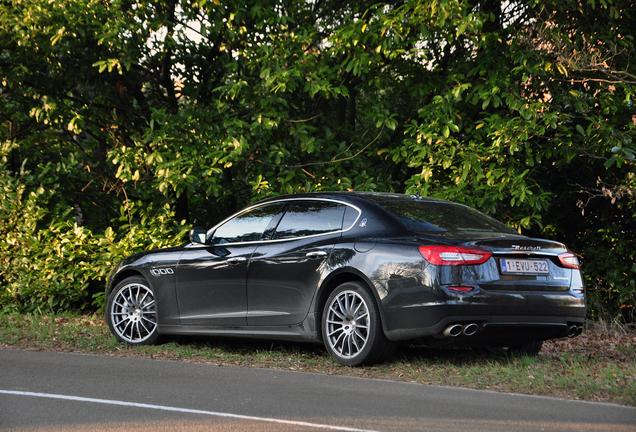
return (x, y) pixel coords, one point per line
(198, 235)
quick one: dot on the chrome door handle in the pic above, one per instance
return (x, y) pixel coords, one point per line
(318, 254)
(236, 260)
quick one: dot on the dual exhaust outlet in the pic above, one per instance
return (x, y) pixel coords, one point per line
(455, 330)
(574, 331)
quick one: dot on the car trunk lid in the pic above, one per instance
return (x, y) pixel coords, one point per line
(522, 264)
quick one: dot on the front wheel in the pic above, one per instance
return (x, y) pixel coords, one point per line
(351, 327)
(131, 312)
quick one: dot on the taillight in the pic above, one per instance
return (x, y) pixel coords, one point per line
(460, 288)
(569, 260)
(454, 255)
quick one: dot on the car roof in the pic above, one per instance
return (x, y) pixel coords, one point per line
(353, 196)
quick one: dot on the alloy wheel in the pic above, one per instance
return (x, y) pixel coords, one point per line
(347, 324)
(133, 313)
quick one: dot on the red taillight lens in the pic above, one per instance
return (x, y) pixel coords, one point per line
(460, 288)
(569, 260)
(454, 255)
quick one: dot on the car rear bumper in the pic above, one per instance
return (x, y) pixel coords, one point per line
(499, 316)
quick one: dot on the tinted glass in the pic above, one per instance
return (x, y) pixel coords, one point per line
(305, 218)
(443, 218)
(248, 226)
(350, 217)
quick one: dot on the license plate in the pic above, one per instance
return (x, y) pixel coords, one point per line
(517, 266)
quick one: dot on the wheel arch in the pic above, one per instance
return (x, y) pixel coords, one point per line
(333, 282)
(124, 274)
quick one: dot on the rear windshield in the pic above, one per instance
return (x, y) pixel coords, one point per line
(444, 218)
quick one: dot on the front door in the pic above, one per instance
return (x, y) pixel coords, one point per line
(212, 278)
(211, 285)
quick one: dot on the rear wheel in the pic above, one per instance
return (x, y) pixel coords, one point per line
(351, 327)
(132, 312)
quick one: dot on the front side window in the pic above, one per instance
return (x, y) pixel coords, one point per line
(247, 226)
(305, 218)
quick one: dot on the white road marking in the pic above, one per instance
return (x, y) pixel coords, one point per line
(182, 410)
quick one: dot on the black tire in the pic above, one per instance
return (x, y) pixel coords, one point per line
(131, 312)
(351, 327)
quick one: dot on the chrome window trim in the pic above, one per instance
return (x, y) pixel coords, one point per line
(211, 230)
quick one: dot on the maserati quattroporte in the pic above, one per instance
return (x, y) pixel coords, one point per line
(357, 272)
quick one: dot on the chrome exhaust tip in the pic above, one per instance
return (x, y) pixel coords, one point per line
(453, 330)
(574, 331)
(579, 330)
(470, 329)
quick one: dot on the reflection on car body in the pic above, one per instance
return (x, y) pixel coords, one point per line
(359, 272)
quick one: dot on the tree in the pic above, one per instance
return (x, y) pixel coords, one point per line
(119, 116)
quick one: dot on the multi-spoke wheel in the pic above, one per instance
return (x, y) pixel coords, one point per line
(132, 312)
(351, 327)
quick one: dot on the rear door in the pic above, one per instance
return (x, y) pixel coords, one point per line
(285, 271)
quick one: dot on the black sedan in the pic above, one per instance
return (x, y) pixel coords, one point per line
(359, 272)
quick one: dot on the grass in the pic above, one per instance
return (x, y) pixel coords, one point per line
(598, 366)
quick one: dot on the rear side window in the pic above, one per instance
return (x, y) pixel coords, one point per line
(305, 218)
(443, 218)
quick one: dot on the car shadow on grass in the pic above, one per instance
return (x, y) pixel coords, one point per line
(254, 352)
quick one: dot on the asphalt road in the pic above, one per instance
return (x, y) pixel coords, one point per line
(44, 391)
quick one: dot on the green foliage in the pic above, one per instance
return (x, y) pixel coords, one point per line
(122, 122)
(49, 262)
